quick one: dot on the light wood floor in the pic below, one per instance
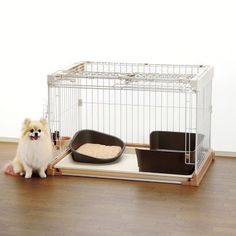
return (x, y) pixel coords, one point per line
(87, 206)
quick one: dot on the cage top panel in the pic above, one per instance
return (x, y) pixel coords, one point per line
(131, 72)
(130, 69)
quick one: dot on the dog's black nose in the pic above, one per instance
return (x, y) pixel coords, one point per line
(36, 134)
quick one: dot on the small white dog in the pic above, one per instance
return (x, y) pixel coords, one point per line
(34, 151)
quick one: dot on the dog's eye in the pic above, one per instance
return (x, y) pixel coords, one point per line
(39, 130)
(32, 130)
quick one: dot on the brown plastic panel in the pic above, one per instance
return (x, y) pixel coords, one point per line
(167, 153)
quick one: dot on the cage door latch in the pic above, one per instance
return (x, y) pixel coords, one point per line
(187, 158)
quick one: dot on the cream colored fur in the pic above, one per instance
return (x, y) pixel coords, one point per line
(33, 155)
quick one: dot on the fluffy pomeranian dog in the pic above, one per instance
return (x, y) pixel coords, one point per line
(34, 151)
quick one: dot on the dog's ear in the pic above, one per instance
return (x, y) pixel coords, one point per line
(26, 122)
(43, 121)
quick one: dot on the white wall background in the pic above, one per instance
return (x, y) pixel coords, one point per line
(39, 37)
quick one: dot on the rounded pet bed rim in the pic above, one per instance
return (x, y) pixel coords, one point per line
(92, 136)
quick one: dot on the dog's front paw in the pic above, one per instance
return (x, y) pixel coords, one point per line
(28, 175)
(42, 174)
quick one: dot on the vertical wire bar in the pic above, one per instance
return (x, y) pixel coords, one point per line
(167, 101)
(65, 106)
(86, 103)
(190, 120)
(55, 116)
(74, 108)
(103, 99)
(98, 113)
(68, 105)
(54, 109)
(75, 102)
(190, 115)
(138, 93)
(143, 93)
(63, 109)
(92, 100)
(72, 104)
(76, 97)
(185, 100)
(210, 111)
(69, 111)
(196, 140)
(173, 100)
(71, 108)
(155, 106)
(109, 101)
(49, 108)
(57, 108)
(114, 101)
(80, 111)
(120, 107)
(63, 114)
(57, 127)
(132, 107)
(126, 107)
(180, 107)
(185, 119)
(149, 102)
(179, 98)
(161, 97)
(52, 106)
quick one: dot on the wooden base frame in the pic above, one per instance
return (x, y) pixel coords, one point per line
(190, 180)
(197, 178)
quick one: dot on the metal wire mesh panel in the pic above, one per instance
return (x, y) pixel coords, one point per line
(131, 100)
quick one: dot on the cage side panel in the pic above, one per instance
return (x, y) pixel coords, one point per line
(130, 107)
(204, 108)
(64, 110)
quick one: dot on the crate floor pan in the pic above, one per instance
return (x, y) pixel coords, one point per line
(125, 168)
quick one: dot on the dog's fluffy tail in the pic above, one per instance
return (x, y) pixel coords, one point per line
(8, 169)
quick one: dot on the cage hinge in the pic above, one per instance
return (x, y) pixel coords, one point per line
(193, 84)
(50, 79)
(210, 109)
(80, 102)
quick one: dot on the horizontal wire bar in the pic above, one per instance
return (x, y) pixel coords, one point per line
(136, 105)
(130, 88)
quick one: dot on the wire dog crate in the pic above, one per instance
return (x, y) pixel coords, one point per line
(130, 100)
